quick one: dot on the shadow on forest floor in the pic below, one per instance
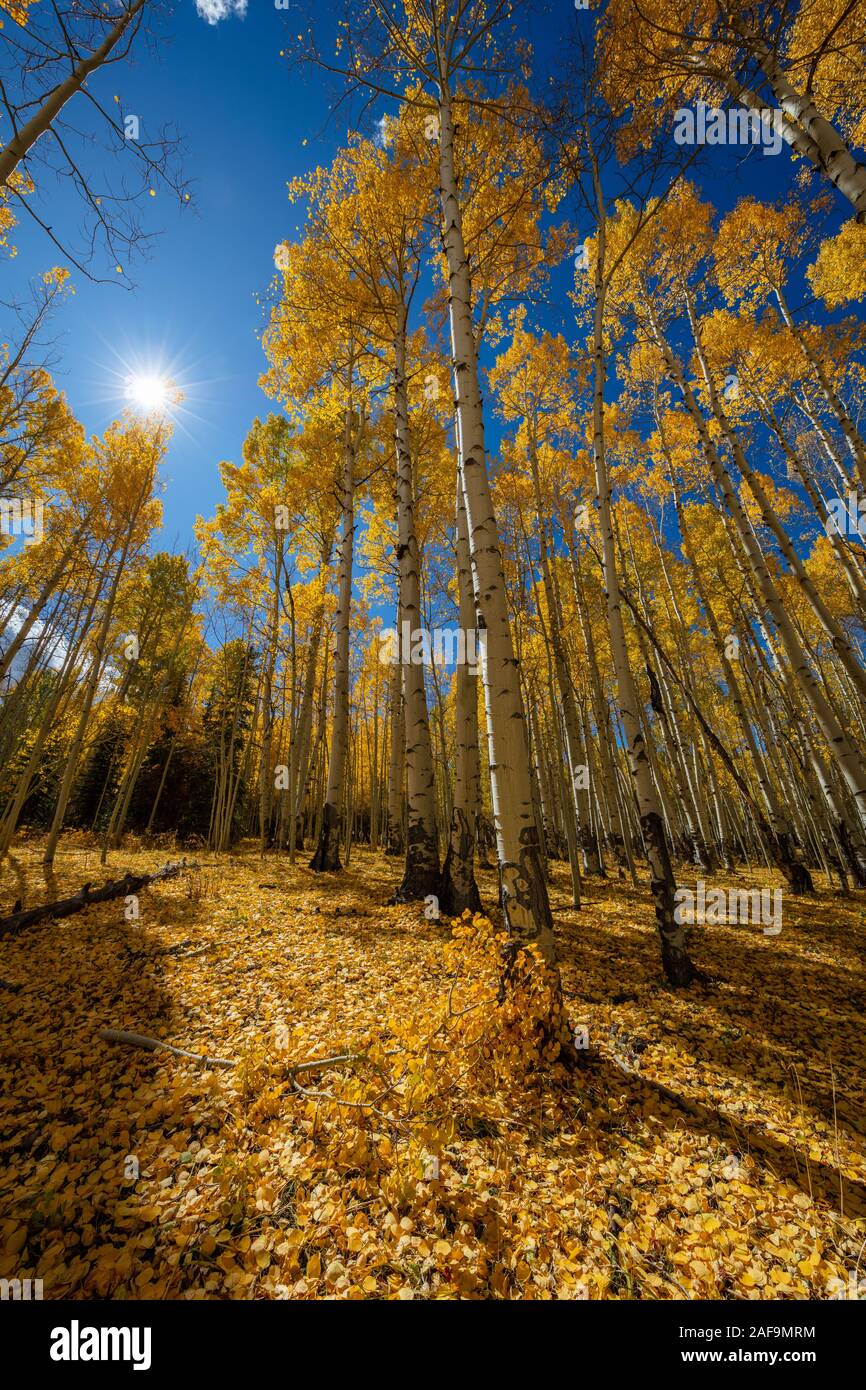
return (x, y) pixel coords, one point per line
(706, 1139)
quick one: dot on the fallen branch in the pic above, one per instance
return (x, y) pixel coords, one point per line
(180, 951)
(189, 955)
(113, 1035)
(65, 907)
(297, 1067)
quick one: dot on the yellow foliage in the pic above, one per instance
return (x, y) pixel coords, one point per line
(838, 276)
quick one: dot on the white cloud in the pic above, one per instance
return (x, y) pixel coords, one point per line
(215, 10)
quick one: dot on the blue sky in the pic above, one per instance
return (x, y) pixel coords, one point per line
(245, 118)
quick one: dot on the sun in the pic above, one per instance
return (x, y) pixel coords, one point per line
(150, 394)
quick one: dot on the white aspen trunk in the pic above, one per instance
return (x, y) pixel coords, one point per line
(793, 135)
(396, 762)
(373, 755)
(853, 438)
(584, 795)
(778, 833)
(839, 821)
(72, 758)
(525, 904)
(573, 740)
(266, 784)
(548, 773)
(675, 957)
(662, 705)
(326, 858)
(117, 820)
(833, 155)
(846, 755)
(24, 139)
(713, 839)
(37, 608)
(299, 757)
(421, 875)
(769, 715)
(838, 638)
(46, 647)
(228, 775)
(801, 470)
(546, 810)
(717, 806)
(846, 481)
(458, 890)
(319, 759)
(600, 711)
(568, 815)
(63, 689)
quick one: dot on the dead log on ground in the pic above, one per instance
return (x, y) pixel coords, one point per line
(121, 888)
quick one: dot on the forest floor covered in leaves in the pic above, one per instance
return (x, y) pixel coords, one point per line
(711, 1145)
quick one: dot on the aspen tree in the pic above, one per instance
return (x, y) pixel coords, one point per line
(438, 46)
(594, 291)
(130, 455)
(658, 56)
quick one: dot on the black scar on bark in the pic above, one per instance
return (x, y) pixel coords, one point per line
(395, 844)
(852, 858)
(326, 859)
(457, 897)
(421, 878)
(798, 878)
(534, 896)
(801, 879)
(676, 962)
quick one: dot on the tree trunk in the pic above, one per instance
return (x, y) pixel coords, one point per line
(421, 874)
(525, 904)
(24, 139)
(396, 762)
(834, 156)
(458, 890)
(675, 957)
(847, 757)
(326, 858)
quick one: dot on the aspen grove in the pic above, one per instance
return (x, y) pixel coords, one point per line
(434, 869)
